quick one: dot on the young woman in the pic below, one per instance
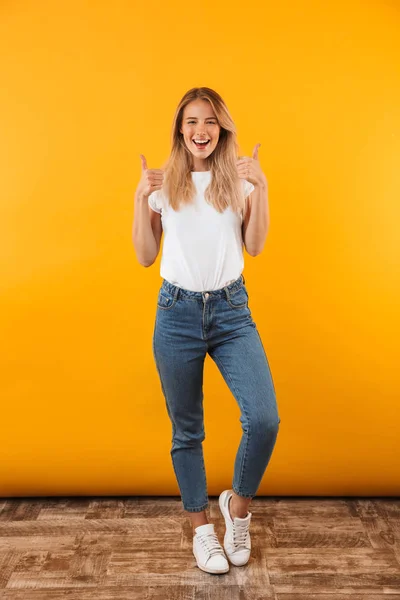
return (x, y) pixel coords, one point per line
(209, 204)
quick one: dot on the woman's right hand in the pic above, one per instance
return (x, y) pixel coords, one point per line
(150, 181)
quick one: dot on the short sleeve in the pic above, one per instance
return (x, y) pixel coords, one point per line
(247, 187)
(155, 201)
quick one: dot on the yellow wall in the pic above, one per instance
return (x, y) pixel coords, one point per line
(85, 88)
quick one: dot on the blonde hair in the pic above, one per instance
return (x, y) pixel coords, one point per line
(225, 188)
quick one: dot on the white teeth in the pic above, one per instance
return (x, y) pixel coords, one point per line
(201, 141)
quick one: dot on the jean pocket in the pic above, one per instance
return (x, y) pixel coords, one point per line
(238, 299)
(165, 299)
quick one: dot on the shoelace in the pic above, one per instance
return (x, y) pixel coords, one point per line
(211, 543)
(240, 534)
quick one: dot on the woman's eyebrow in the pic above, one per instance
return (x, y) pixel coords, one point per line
(206, 119)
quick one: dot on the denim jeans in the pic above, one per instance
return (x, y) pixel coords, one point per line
(189, 325)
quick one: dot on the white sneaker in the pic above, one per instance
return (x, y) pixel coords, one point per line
(237, 542)
(208, 551)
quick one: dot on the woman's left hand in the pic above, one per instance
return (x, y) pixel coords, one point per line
(250, 168)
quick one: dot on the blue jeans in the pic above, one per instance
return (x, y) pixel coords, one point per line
(189, 325)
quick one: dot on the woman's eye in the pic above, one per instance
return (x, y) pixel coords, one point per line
(212, 123)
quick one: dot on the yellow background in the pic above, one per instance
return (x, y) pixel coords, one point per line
(86, 87)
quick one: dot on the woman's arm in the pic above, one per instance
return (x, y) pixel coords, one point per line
(256, 222)
(146, 231)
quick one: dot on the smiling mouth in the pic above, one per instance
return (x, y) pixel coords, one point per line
(201, 145)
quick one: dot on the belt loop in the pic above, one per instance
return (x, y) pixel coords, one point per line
(244, 281)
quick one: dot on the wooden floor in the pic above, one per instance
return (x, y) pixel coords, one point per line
(104, 548)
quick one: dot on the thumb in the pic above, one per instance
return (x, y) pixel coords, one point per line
(144, 163)
(255, 151)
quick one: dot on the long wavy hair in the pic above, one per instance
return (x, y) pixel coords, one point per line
(225, 188)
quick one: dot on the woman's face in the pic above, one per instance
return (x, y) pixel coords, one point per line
(200, 123)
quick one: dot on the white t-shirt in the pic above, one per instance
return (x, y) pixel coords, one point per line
(202, 248)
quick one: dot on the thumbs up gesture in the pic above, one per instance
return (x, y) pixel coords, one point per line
(250, 168)
(151, 179)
